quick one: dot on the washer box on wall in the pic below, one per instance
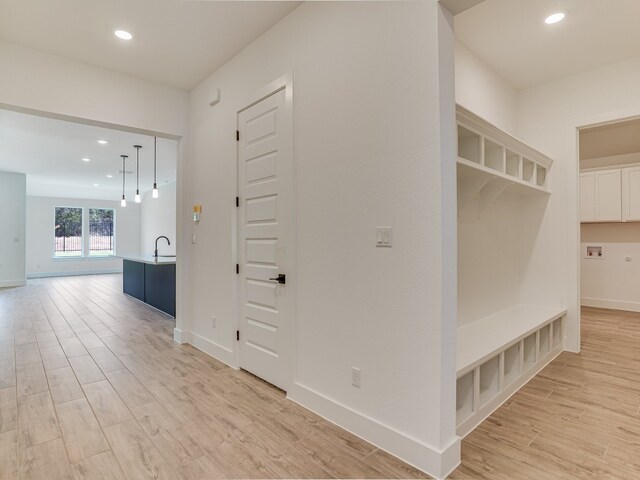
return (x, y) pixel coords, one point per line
(593, 251)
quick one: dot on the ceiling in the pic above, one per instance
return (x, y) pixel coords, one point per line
(176, 43)
(50, 152)
(512, 38)
(621, 138)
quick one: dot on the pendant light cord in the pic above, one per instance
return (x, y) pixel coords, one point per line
(137, 147)
(123, 173)
(155, 161)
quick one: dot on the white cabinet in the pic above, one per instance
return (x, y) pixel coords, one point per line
(601, 196)
(631, 194)
(608, 196)
(587, 197)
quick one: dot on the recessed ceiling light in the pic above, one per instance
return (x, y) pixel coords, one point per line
(123, 35)
(109, 176)
(102, 142)
(86, 159)
(96, 185)
(555, 18)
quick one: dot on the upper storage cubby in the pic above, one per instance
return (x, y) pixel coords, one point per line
(491, 161)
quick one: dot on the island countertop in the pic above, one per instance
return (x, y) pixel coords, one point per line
(151, 280)
(149, 259)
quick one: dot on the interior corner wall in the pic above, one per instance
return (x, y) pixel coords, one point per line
(610, 281)
(158, 217)
(548, 118)
(40, 217)
(372, 147)
(13, 196)
(484, 92)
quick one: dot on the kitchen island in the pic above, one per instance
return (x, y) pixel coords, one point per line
(151, 280)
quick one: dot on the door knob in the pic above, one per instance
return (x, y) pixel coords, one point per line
(281, 278)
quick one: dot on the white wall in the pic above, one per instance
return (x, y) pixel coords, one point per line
(38, 81)
(483, 91)
(158, 217)
(372, 147)
(548, 116)
(611, 281)
(40, 223)
(13, 194)
(493, 253)
(507, 254)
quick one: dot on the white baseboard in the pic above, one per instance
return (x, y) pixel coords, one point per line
(73, 273)
(180, 336)
(613, 304)
(438, 463)
(217, 351)
(13, 283)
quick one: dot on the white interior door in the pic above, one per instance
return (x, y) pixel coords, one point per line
(265, 173)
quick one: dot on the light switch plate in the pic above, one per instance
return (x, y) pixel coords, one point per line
(384, 237)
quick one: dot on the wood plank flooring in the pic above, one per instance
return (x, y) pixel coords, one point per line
(578, 419)
(92, 386)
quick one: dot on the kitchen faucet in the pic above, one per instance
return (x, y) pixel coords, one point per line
(155, 253)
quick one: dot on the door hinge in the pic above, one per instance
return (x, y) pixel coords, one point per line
(237, 335)
(237, 201)
(237, 135)
(237, 268)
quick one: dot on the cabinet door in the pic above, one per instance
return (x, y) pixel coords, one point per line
(631, 194)
(587, 197)
(608, 196)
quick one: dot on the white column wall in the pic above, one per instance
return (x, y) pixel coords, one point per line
(13, 197)
(373, 144)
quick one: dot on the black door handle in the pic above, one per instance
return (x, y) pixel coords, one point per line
(281, 278)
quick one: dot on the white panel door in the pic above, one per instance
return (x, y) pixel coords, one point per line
(265, 172)
(631, 194)
(587, 197)
(608, 196)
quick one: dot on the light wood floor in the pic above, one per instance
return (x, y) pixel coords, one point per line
(93, 387)
(578, 419)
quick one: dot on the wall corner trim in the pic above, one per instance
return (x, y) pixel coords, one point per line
(101, 271)
(13, 283)
(438, 463)
(612, 304)
(211, 348)
(180, 336)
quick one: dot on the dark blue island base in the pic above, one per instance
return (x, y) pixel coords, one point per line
(151, 283)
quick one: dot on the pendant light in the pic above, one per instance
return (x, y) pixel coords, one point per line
(137, 198)
(154, 193)
(123, 202)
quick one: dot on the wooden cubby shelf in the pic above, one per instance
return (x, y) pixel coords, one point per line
(499, 353)
(491, 161)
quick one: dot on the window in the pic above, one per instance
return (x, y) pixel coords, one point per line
(68, 232)
(101, 241)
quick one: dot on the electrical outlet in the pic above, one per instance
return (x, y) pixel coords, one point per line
(213, 321)
(384, 237)
(355, 377)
